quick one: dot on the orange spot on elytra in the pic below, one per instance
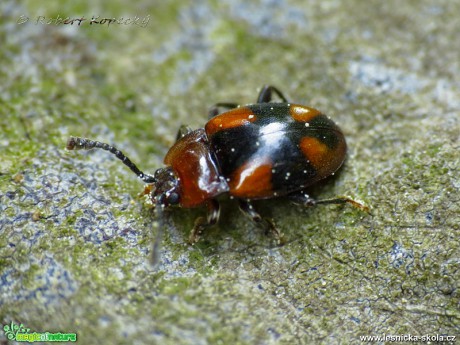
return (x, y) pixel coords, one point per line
(252, 180)
(230, 119)
(315, 151)
(302, 113)
(324, 159)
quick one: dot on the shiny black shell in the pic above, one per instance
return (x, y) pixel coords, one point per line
(266, 150)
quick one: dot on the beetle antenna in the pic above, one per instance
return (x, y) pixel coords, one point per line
(77, 143)
(156, 245)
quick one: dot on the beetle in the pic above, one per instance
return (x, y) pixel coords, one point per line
(258, 151)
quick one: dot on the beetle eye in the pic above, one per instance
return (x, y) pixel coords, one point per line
(173, 198)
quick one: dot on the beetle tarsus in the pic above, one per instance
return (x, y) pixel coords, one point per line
(345, 200)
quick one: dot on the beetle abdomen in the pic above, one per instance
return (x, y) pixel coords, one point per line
(273, 149)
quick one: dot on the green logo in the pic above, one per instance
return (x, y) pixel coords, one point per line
(13, 329)
(20, 333)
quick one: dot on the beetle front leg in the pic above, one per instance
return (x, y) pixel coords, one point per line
(202, 223)
(304, 199)
(183, 131)
(265, 223)
(265, 94)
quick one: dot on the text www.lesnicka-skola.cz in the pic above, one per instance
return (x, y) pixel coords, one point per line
(427, 338)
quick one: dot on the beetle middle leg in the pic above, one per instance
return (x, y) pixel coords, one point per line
(304, 199)
(265, 94)
(215, 109)
(202, 223)
(265, 223)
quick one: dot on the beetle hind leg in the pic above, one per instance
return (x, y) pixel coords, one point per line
(304, 199)
(265, 95)
(202, 223)
(266, 223)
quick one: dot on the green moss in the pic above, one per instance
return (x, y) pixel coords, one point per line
(126, 85)
(28, 278)
(176, 286)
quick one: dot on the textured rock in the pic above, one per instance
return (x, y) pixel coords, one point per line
(75, 239)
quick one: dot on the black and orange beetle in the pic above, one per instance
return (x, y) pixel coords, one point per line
(258, 151)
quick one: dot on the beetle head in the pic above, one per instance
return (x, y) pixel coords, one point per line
(166, 190)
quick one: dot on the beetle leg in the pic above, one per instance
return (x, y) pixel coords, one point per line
(214, 110)
(304, 199)
(183, 131)
(265, 94)
(266, 223)
(202, 223)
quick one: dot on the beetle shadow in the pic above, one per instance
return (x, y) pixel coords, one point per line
(236, 233)
(233, 228)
